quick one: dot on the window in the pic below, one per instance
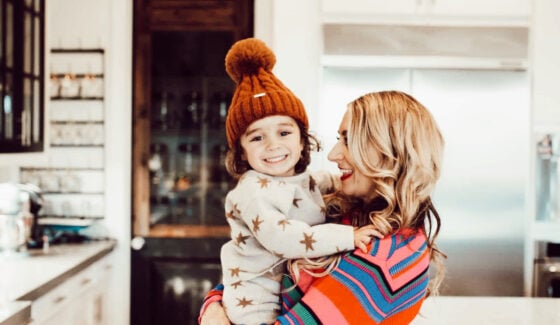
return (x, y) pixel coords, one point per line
(21, 75)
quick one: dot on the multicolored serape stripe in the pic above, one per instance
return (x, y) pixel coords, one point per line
(385, 286)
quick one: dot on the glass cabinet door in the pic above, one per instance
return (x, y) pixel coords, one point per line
(189, 100)
(181, 97)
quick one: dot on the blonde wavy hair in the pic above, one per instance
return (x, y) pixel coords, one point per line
(394, 140)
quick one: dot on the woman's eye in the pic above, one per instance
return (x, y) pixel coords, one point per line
(344, 139)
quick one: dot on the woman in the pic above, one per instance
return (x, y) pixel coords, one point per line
(389, 152)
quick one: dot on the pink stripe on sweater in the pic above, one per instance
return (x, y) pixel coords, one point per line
(323, 307)
(404, 252)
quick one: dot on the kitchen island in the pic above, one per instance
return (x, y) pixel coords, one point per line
(48, 279)
(489, 310)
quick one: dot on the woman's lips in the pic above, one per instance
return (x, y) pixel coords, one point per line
(346, 173)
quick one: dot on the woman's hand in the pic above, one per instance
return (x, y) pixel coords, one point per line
(214, 315)
(363, 235)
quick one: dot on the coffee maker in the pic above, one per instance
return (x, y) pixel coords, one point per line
(19, 208)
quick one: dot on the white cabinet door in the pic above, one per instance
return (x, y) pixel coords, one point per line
(546, 64)
(483, 12)
(479, 8)
(364, 7)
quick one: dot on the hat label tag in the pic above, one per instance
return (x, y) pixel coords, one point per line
(259, 95)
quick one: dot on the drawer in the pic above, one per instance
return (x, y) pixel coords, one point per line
(74, 288)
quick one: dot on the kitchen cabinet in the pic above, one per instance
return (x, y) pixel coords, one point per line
(21, 75)
(82, 299)
(545, 51)
(449, 12)
(181, 96)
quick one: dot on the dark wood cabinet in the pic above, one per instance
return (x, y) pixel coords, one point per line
(21, 75)
(181, 95)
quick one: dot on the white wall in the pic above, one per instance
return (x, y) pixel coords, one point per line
(98, 24)
(292, 29)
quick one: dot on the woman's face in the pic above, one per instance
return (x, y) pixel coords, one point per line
(354, 183)
(272, 145)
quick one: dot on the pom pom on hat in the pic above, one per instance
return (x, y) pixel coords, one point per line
(247, 57)
(259, 93)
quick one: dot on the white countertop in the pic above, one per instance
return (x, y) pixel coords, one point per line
(28, 277)
(489, 310)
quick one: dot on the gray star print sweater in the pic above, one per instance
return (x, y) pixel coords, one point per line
(272, 219)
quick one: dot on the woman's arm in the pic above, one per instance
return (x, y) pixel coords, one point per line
(212, 312)
(389, 282)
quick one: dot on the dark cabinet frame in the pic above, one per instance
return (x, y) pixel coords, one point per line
(21, 131)
(171, 15)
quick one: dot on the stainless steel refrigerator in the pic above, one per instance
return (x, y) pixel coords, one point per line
(485, 118)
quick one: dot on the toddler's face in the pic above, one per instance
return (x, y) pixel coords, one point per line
(273, 145)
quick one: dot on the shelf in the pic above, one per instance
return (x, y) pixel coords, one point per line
(189, 231)
(76, 146)
(75, 98)
(77, 50)
(71, 192)
(79, 122)
(67, 221)
(546, 231)
(78, 75)
(61, 169)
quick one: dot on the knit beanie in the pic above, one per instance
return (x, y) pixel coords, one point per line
(258, 92)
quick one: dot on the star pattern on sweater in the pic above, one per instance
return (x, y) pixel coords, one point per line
(295, 202)
(244, 302)
(240, 239)
(257, 224)
(234, 271)
(283, 223)
(233, 213)
(312, 184)
(308, 241)
(236, 284)
(263, 181)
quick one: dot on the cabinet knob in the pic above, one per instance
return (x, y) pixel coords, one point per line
(137, 243)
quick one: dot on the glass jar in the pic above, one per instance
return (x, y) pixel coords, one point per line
(187, 166)
(192, 115)
(158, 165)
(220, 110)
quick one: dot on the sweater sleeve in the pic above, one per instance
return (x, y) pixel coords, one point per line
(385, 286)
(265, 212)
(214, 295)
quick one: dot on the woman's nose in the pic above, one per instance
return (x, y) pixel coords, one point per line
(335, 153)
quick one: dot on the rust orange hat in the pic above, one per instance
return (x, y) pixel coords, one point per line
(259, 93)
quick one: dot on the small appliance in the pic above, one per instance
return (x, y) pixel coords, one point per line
(546, 282)
(19, 207)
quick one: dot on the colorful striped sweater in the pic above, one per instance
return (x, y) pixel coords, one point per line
(385, 286)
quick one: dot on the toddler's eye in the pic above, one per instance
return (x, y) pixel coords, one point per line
(257, 138)
(285, 133)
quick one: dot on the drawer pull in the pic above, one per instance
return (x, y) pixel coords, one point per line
(85, 281)
(59, 299)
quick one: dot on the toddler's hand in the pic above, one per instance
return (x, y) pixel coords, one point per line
(363, 235)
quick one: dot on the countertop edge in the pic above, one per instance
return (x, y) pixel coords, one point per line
(19, 313)
(53, 283)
